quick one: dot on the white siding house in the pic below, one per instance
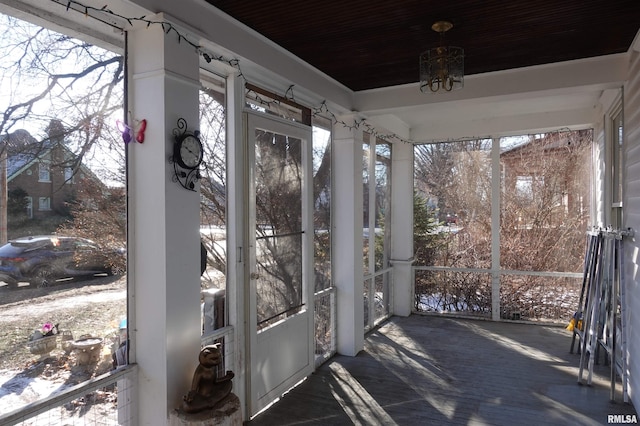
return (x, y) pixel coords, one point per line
(631, 203)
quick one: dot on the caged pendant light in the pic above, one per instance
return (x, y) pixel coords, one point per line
(442, 67)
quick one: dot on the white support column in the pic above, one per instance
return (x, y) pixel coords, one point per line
(347, 238)
(164, 222)
(402, 227)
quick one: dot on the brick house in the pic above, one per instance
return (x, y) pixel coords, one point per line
(545, 173)
(47, 171)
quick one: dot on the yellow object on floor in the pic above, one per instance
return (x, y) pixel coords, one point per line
(571, 325)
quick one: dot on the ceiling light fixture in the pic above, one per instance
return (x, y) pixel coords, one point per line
(442, 67)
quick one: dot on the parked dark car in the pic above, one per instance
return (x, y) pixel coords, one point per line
(41, 260)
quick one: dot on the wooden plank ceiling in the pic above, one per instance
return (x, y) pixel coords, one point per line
(367, 44)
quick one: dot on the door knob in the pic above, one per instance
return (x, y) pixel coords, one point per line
(254, 275)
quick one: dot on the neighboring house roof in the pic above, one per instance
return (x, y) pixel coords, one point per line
(576, 137)
(23, 150)
(16, 164)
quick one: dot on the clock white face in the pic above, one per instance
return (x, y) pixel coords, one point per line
(191, 152)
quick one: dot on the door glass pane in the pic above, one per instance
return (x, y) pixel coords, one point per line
(278, 198)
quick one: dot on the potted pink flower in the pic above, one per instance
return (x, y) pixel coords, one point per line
(43, 341)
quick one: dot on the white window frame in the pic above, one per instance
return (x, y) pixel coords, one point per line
(616, 144)
(613, 166)
(44, 203)
(68, 175)
(29, 206)
(44, 171)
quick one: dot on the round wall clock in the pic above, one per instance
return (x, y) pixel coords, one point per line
(188, 151)
(187, 155)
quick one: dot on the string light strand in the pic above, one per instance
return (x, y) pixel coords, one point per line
(103, 13)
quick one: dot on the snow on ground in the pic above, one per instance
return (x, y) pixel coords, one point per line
(17, 389)
(27, 379)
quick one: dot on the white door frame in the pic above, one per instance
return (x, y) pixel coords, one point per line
(282, 354)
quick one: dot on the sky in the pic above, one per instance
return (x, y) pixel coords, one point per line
(19, 83)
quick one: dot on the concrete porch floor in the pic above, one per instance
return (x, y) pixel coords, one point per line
(443, 371)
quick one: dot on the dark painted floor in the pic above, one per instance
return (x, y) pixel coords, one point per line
(442, 371)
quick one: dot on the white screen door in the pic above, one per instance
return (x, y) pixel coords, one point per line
(280, 329)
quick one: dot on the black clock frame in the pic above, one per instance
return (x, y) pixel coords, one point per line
(185, 175)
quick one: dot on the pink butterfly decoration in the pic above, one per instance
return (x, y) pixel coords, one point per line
(128, 132)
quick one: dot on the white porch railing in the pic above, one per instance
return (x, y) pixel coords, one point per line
(104, 400)
(377, 297)
(515, 295)
(109, 399)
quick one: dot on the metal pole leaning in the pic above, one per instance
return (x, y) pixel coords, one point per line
(590, 263)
